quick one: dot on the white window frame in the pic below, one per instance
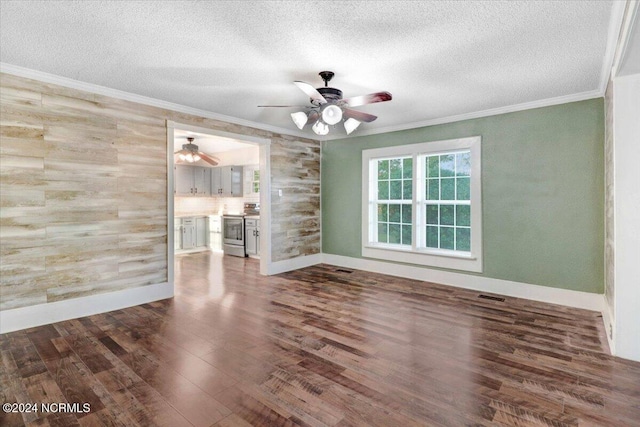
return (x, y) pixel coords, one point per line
(415, 254)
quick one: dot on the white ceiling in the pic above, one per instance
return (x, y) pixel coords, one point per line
(210, 144)
(438, 58)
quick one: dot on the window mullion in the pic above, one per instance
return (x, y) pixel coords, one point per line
(416, 213)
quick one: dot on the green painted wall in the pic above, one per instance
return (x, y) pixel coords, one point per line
(542, 189)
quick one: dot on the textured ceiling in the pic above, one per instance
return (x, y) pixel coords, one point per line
(437, 58)
(210, 144)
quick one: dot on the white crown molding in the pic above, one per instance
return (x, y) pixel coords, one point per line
(628, 20)
(128, 96)
(43, 314)
(102, 90)
(615, 30)
(478, 114)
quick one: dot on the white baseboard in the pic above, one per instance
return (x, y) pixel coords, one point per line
(546, 294)
(43, 314)
(294, 263)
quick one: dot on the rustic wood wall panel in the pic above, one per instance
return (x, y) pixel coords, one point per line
(82, 212)
(295, 169)
(609, 203)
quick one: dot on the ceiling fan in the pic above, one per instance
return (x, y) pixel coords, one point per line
(329, 108)
(191, 154)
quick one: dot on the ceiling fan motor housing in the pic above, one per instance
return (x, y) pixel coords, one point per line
(331, 94)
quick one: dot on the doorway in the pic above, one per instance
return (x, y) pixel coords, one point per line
(222, 139)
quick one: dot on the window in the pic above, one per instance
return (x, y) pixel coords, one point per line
(422, 204)
(252, 180)
(255, 181)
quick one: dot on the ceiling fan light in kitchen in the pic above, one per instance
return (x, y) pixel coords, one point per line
(320, 128)
(350, 125)
(190, 153)
(331, 114)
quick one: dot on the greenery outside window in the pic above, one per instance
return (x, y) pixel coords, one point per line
(255, 181)
(422, 204)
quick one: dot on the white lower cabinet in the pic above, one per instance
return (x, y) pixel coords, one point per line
(188, 233)
(252, 236)
(193, 233)
(201, 231)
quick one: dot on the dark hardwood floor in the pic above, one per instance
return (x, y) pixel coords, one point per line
(321, 346)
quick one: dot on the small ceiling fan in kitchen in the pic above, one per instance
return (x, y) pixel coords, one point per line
(328, 108)
(190, 153)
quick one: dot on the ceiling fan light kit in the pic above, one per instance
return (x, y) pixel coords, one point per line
(350, 125)
(331, 114)
(329, 108)
(191, 154)
(300, 118)
(320, 128)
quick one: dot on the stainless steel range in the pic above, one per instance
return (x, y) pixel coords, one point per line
(233, 234)
(233, 238)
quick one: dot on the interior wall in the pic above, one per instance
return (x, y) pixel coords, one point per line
(84, 192)
(626, 152)
(542, 188)
(295, 198)
(609, 206)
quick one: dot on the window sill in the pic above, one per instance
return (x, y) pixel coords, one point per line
(430, 258)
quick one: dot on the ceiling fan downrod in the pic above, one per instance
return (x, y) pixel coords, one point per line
(326, 76)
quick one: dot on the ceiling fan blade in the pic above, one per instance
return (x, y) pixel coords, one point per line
(310, 91)
(284, 106)
(358, 115)
(211, 160)
(356, 101)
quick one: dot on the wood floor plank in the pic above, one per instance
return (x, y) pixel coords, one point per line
(321, 346)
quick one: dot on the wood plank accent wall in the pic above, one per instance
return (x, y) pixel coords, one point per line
(83, 182)
(609, 205)
(295, 216)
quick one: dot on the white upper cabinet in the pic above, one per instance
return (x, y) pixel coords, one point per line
(202, 181)
(192, 180)
(226, 181)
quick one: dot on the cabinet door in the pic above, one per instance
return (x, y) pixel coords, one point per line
(188, 234)
(251, 240)
(216, 181)
(225, 181)
(201, 231)
(201, 181)
(183, 178)
(236, 181)
(258, 238)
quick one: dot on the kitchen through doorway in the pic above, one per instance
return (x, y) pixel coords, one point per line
(218, 194)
